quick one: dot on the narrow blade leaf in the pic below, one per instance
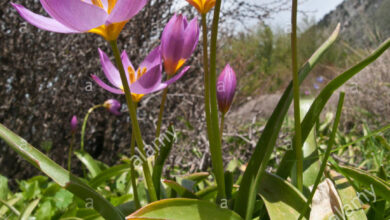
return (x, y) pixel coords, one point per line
(61, 176)
(320, 102)
(282, 200)
(246, 196)
(108, 174)
(88, 162)
(166, 146)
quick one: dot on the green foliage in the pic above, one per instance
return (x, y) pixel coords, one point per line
(250, 191)
(184, 209)
(263, 55)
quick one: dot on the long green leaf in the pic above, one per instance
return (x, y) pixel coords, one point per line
(181, 190)
(378, 186)
(197, 177)
(10, 206)
(332, 136)
(282, 200)
(377, 209)
(30, 208)
(207, 192)
(61, 176)
(4, 190)
(184, 209)
(108, 174)
(247, 193)
(127, 208)
(351, 203)
(321, 100)
(166, 146)
(88, 162)
(9, 203)
(311, 164)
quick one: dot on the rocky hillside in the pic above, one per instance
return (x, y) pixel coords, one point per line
(364, 22)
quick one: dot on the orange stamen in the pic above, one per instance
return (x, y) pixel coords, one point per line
(97, 3)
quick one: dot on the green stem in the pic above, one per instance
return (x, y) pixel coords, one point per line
(132, 174)
(71, 151)
(133, 115)
(297, 118)
(215, 148)
(83, 131)
(206, 78)
(10, 207)
(327, 154)
(161, 113)
(85, 124)
(222, 124)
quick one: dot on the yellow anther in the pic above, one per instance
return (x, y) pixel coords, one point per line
(132, 76)
(141, 72)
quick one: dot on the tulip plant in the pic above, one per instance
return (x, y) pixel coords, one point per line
(254, 193)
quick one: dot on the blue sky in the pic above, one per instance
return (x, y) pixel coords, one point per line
(315, 9)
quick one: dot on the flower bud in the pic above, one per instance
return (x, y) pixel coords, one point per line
(73, 124)
(226, 87)
(178, 41)
(113, 106)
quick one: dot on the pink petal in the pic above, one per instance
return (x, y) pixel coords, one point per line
(75, 14)
(110, 70)
(126, 64)
(124, 10)
(148, 82)
(153, 59)
(165, 84)
(173, 79)
(105, 86)
(172, 39)
(42, 22)
(191, 38)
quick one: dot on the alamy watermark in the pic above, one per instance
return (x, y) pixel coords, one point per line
(354, 205)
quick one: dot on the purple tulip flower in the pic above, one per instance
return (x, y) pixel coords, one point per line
(146, 79)
(178, 41)
(226, 87)
(104, 17)
(113, 106)
(73, 124)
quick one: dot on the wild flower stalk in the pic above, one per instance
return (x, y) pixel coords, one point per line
(203, 7)
(133, 115)
(178, 42)
(73, 129)
(297, 118)
(84, 126)
(215, 148)
(206, 75)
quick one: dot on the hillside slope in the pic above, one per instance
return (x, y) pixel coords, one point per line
(364, 22)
